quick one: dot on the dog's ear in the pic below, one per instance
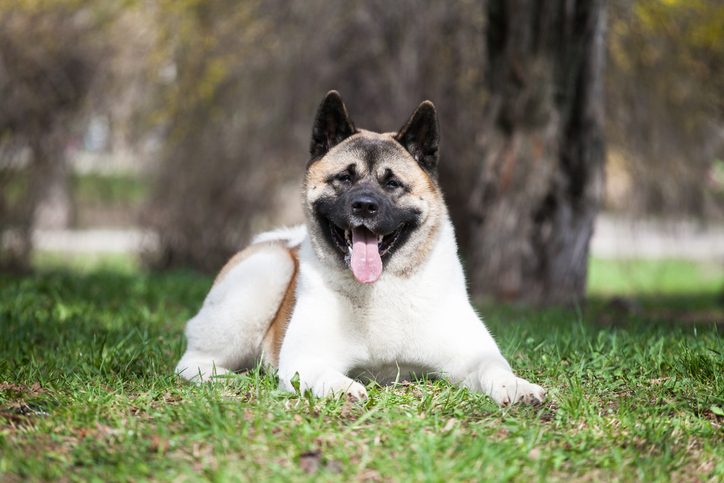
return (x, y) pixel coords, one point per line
(421, 137)
(331, 125)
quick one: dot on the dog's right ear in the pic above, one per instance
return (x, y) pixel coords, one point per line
(331, 125)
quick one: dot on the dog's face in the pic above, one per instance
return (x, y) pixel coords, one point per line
(372, 200)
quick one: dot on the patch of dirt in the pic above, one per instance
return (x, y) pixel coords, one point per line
(20, 414)
(309, 462)
(17, 390)
(350, 410)
(547, 412)
(20, 410)
(312, 461)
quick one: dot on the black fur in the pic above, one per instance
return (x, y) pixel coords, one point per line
(331, 125)
(421, 137)
(388, 220)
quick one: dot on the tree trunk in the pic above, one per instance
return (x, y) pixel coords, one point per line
(541, 178)
(50, 184)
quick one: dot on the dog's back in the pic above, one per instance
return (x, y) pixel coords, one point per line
(245, 315)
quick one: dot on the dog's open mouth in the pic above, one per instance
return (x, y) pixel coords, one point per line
(363, 250)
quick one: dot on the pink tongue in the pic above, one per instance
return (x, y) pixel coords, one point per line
(366, 262)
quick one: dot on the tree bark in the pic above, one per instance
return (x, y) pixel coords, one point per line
(51, 198)
(541, 177)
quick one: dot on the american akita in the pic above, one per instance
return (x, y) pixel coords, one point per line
(370, 288)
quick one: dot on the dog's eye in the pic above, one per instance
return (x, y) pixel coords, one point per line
(393, 184)
(344, 178)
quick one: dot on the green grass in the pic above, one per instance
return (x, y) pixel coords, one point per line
(654, 277)
(113, 189)
(636, 392)
(78, 263)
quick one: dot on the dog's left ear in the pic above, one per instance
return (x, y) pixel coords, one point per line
(331, 125)
(421, 137)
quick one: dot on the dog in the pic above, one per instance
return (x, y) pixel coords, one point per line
(370, 288)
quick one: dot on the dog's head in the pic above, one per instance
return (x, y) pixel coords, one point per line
(372, 200)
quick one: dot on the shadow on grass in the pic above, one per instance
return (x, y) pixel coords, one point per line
(670, 310)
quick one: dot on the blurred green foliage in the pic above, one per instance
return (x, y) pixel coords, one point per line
(685, 35)
(103, 189)
(666, 105)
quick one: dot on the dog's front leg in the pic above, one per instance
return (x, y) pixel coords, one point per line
(317, 350)
(473, 360)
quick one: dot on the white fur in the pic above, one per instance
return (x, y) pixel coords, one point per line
(227, 332)
(423, 323)
(293, 237)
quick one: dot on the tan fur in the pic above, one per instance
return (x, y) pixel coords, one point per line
(272, 343)
(403, 165)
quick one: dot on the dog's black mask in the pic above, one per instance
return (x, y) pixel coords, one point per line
(364, 205)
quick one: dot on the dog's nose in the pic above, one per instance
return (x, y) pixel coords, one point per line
(365, 206)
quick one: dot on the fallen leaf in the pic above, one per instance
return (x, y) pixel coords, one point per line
(449, 425)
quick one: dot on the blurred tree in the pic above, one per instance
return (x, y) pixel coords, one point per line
(541, 179)
(666, 105)
(47, 65)
(225, 106)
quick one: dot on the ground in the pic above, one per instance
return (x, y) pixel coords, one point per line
(636, 390)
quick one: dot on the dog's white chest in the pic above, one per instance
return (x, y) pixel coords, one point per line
(392, 327)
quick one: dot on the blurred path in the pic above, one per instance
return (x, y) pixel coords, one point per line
(96, 240)
(613, 238)
(627, 238)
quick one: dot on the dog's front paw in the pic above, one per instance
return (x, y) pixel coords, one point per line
(357, 392)
(340, 385)
(506, 388)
